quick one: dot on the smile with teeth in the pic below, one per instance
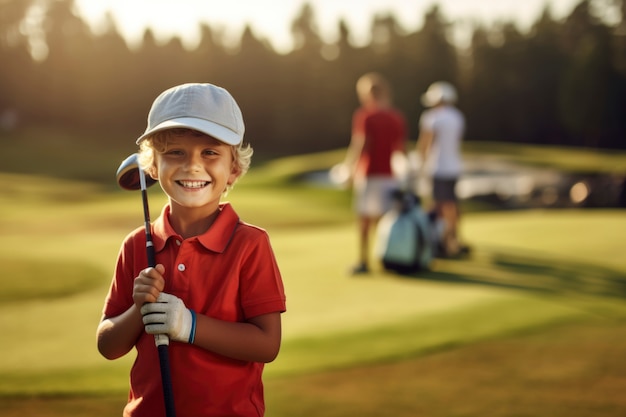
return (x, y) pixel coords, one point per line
(192, 184)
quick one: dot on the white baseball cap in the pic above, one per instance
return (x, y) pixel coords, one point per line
(206, 108)
(438, 92)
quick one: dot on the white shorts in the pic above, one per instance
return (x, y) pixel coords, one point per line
(372, 195)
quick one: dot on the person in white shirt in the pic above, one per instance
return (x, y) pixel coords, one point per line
(442, 127)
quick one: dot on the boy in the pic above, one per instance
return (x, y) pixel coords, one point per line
(217, 275)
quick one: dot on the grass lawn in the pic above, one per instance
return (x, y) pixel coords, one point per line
(531, 325)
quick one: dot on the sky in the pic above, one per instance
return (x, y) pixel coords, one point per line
(271, 19)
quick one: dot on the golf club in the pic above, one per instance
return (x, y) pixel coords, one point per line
(131, 177)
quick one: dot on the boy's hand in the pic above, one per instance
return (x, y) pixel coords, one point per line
(148, 285)
(168, 315)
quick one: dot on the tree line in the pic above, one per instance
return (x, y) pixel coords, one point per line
(563, 82)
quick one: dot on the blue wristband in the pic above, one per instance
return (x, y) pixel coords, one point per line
(192, 333)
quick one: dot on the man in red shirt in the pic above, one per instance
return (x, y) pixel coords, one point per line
(378, 131)
(216, 290)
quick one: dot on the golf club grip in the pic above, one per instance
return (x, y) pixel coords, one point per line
(166, 380)
(162, 342)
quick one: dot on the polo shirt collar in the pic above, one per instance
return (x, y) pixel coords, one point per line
(215, 239)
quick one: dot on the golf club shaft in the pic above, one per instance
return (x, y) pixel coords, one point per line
(146, 218)
(161, 340)
(166, 379)
(149, 243)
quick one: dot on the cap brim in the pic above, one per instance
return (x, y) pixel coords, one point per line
(215, 130)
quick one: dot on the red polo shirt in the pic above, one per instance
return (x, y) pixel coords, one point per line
(229, 273)
(384, 131)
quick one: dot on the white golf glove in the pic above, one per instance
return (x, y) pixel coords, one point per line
(168, 315)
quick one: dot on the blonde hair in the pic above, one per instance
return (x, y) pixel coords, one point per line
(373, 87)
(242, 153)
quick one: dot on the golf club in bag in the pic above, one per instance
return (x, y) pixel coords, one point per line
(131, 177)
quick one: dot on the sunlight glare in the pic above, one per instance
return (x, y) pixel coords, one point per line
(182, 18)
(272, 21)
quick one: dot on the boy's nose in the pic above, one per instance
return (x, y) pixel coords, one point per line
(194, 162)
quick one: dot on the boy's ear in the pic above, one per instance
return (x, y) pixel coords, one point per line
(235, 172)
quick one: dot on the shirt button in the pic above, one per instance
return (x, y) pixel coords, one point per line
(178, 242)
(181, 267)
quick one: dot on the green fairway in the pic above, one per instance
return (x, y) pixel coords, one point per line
(530, 273)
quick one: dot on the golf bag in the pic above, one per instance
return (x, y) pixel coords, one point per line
(404, 236)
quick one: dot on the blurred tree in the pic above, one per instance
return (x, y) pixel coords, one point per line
(16, 62)
(60, 79)
(421, 58)
(302, 84)
(583, 96)
(484, 92)
(209, 54)
(545, 62)
(252, 79)
(343, 70)
(106, 67)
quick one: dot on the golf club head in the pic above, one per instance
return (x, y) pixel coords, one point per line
(128, 174)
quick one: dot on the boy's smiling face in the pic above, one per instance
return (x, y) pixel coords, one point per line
(194, 170)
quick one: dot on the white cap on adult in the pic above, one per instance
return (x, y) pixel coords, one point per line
(439, 92)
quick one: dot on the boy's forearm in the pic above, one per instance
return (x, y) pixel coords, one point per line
(116, 336)
(257, 340)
